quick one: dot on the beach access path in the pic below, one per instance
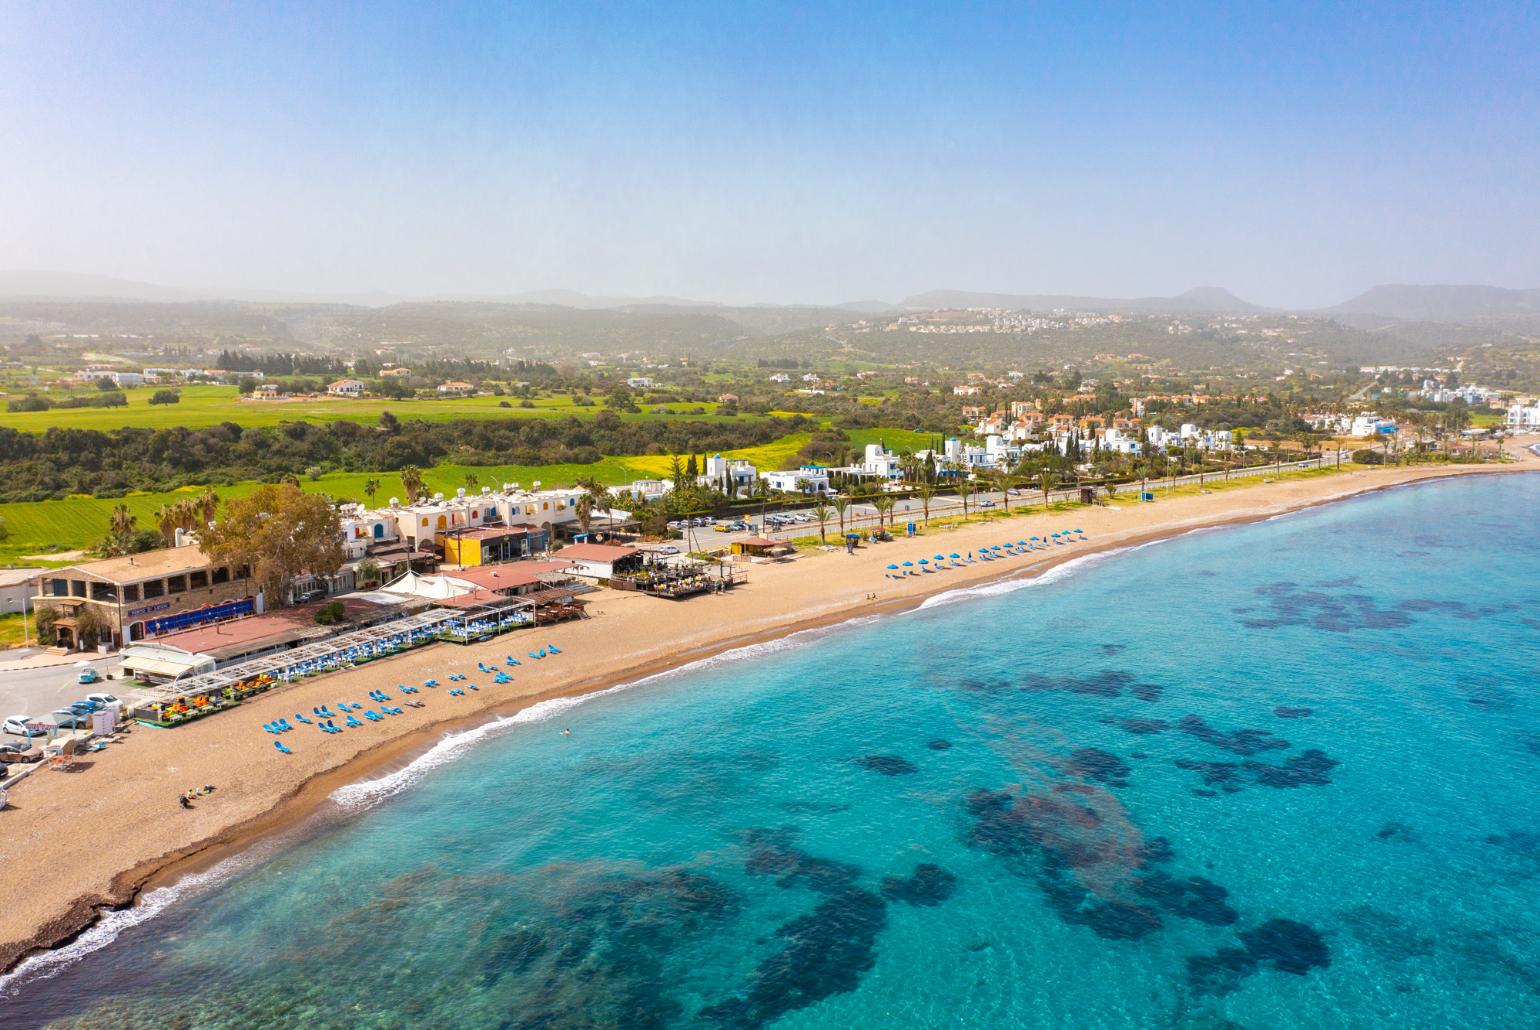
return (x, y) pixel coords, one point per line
(75, 841)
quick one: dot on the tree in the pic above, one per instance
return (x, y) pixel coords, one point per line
(369, 571)
(121, 527)
(593, 497)
(884, 505)
(472, 481)
(91, 626)
(411, 483)
(676, 472)
(822, 512)
(279, 533)
(371, 487)
(965, 493)
(1046, 481)
(165, 397)
(841, 506)
(926, 494)
(1002, 481)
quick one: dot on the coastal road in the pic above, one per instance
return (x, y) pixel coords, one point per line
(863, 516)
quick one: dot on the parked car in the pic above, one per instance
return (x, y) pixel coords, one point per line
(668, 549)
(88, 675)
(84, 707)
(104, 700)
(11, 753)
(24, 726)
(65, 719)
(986, 504)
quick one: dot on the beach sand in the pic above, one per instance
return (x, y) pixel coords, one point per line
(75, 842)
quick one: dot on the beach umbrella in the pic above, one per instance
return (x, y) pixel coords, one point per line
(924, 561)
(1032, 538)
(942, 557)
(956, 555)
(908, 564)
(1021, 543)
(893, 566)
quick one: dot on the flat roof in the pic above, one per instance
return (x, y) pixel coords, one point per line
(168, 561)
(288, 623)
(490, 532)
(16, 577)
(596, 552)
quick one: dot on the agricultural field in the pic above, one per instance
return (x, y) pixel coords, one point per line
(203, 406)
(42, 527)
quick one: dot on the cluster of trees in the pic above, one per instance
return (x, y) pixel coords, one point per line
(62, 461)
(108, 398)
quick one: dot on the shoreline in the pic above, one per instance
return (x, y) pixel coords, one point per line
(297, 808)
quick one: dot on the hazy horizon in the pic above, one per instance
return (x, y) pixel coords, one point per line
(773, 156)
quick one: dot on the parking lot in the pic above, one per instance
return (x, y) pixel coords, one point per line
(37, 693)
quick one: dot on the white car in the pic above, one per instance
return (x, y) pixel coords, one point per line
(668, 549)
(105, 700)
(23, 726)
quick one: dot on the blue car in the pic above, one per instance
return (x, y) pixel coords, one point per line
(84, 707)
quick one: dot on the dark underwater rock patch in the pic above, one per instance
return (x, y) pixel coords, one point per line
(1310, 768)
(1457, 609)
(1239, 742)
(1293, 605)
(1137, 726)
(1281, 944)
(928, 886)
(1287, 946)
(888, 765)
(1522, 843)
(1102, 766)
(1191, 897)
(775, 853)
(940, 745)
(1111, 649)
(1398, 832)
(1285, 712)
(1487, 697)
(1387, 933)
(1108, 683)
(825, 953)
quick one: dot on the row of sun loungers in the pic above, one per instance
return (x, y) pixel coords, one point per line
(324, 719)
(992, 553)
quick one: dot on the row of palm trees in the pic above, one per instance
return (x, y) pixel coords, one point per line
(838, 507)
(186, 515)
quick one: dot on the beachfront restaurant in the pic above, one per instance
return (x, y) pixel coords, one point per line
(600, 562)
(145, 595)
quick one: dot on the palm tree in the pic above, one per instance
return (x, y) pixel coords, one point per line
(964, 494)
(926, 493)
(1046, 481)
(165, 521)
(1003, 481)
(472, 481)
(207, 505)
(121, 526)
(841, 505)
(884, 505)
(822, 513)
(411, 483)
(371, 487)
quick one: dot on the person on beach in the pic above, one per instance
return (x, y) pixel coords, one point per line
(185, 803)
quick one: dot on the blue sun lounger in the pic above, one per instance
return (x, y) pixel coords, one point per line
(279, 745)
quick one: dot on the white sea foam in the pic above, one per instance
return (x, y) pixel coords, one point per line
(110, 925)
(357, 796)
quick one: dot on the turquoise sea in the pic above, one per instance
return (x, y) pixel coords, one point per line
(1278, 775)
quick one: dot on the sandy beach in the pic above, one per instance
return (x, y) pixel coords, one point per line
(77, 842)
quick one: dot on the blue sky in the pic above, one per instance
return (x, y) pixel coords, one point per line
(757, 152)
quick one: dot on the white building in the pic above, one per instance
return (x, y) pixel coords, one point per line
(346, 388)
(639, 383)
(809, 479)
(732, 476)
(1523, 416)
(646, 489)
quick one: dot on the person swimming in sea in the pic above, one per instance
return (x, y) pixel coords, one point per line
(567, 732)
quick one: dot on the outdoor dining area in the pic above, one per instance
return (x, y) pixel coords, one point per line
(679, 578)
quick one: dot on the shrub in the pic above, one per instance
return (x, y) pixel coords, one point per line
(165, 397)
(329, 614)
(1368, 457)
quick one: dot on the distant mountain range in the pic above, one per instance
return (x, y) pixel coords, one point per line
(1409, 303)
(1441, 303)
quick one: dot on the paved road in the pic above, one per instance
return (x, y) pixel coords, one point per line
(37, 692)
(861, 515)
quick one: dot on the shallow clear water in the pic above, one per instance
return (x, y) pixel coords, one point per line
(1277, 775)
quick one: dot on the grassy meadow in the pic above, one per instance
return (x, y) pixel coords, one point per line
(41, 527)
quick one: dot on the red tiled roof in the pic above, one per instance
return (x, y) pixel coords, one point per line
(504, 577)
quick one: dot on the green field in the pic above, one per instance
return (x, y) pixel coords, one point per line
(79, 522)
(203, 406)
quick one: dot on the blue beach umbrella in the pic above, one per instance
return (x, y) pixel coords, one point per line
(924, 561)
(908, 564)
(892, 566)
(1021, 543)
(942, 557)
(956, 555)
